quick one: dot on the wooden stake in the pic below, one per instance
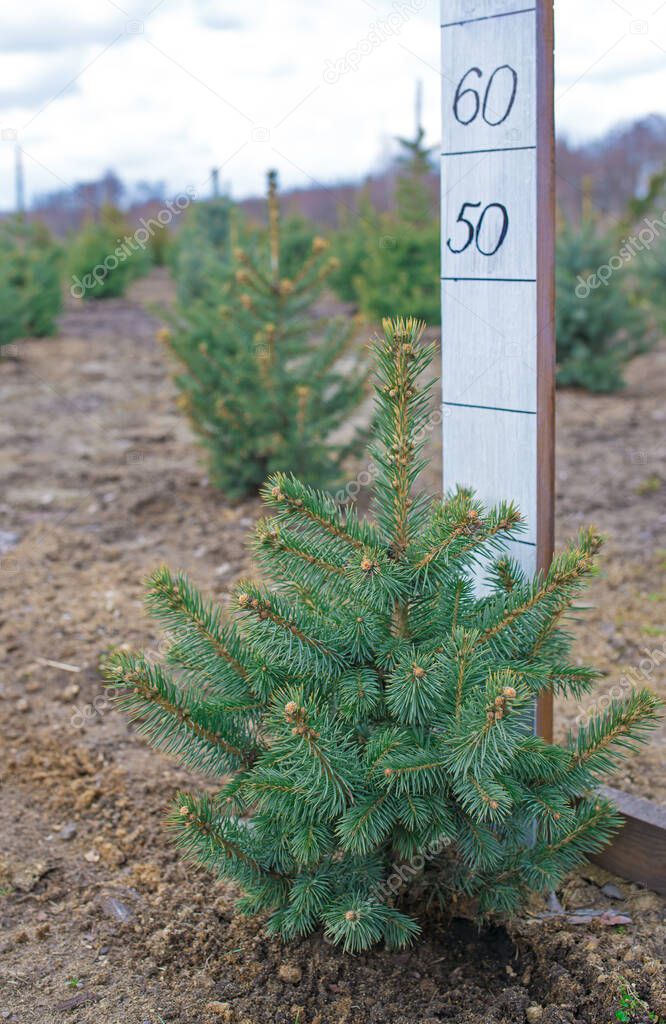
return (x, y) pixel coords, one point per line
(498, 278)
(546, 342)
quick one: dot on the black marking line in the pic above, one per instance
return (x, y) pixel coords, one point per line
(498, 149)
(493, 408)
(526, 280)
(487, 17)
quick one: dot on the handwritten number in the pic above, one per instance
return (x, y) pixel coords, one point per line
(460, 93)
(470, 228)
(512, 97)
(503, 229)
(474, 232)
(485, 105)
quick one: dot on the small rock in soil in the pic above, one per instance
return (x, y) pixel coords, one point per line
(533, 1014)
(25, 876)
(221, 1010)
(78, 1000)
(8, 540)
(70, 693)
(67, 832)
(114, 908)
(22, 705)
(290, 973)
(612, 891)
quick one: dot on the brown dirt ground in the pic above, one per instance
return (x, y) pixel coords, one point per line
(101, 921)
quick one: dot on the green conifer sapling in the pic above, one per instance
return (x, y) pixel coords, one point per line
(370, 709)
(261, 377)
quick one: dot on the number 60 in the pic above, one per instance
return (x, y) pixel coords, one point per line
(478, 104)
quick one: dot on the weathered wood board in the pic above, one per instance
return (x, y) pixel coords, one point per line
(498, 351)
(493, 232)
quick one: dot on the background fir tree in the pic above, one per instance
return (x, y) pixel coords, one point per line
(372, 709)
(598, 329)
(201, 258)
(400, 269)
(262, 378)
(94, 244)
(30, 284)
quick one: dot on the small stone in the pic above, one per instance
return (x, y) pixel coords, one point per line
(70, 693)
(114, 908)
(67, 832)
(22, 705)
(534, 1014)
(221, 1010)
(290, 973)
(612, 891)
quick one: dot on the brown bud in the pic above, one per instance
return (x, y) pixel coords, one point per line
(291, 708)
(183, 810)
(246, 301)
(418, 671)
(242, 276)
(243, 599)
(494, 805)
(366, 564)
(509, 692)
(240, 255)
(472, 514)
(286, 286)
(557, 815)
(351, 915)
(319, 245)
(277, 493)
(388, 772)
(499, 702)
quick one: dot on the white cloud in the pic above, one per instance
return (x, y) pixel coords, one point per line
(197, 83)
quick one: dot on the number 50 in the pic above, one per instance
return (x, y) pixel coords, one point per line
(474, 232)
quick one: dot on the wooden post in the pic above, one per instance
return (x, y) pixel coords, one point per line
(498, 241)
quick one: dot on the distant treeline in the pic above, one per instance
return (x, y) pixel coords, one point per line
(607, 172)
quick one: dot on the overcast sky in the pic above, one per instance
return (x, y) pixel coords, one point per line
(165, 90)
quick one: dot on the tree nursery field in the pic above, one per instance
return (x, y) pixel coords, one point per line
(102, 919)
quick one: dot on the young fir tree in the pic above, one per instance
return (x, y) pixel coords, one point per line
(103, 258)
(600, 325)
(201, 258)
(370, 708)
(261, 375)
(30, 285)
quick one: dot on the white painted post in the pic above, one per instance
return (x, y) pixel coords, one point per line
(498, 260)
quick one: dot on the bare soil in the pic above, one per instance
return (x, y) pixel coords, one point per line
(100, 919)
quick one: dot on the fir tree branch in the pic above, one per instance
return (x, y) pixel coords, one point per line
(305, 504)
(176, 602)
(195, 819)
(401, 412)
(567, 571)
(622, 725)
(169, 717)
(262, 608)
